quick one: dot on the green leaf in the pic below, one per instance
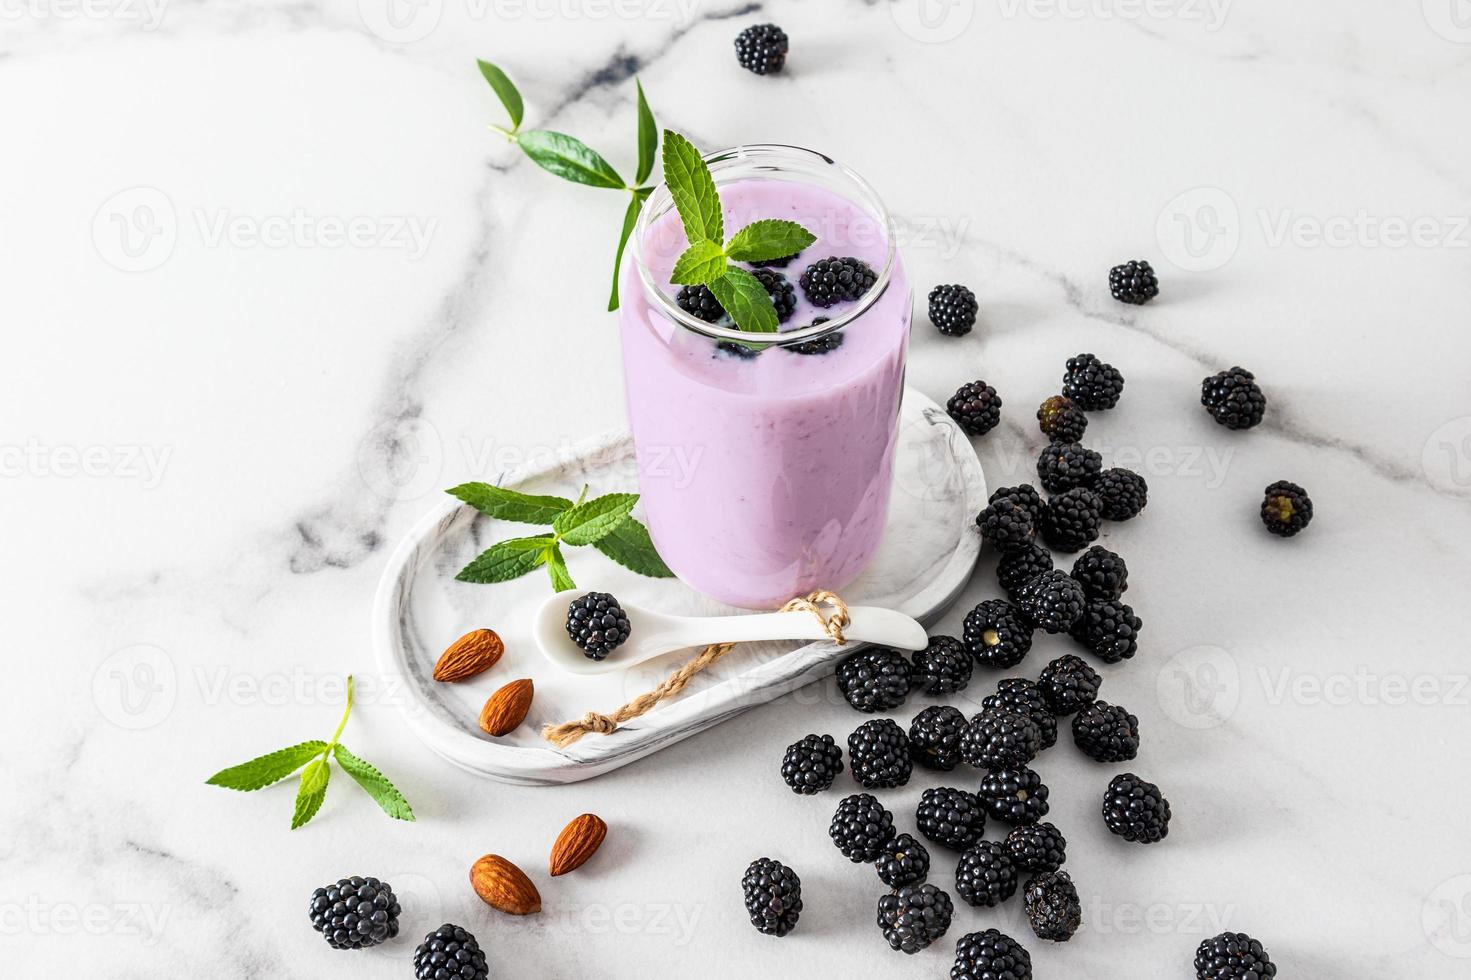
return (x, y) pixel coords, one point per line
(630, 218)
(693, 190)
(586, 523)
(508, 505)
(312, 792)
(267, 769)
(700, 263)
(648, 136)
(506, 560)
(505, 89)
(569, 158)
(768, 239)
(746, 300)
(629, 545)
(379, 788)
(557, 568)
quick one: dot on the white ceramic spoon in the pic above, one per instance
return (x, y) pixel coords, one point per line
(652, 634)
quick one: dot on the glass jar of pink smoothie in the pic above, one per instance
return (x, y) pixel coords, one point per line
(766, 474)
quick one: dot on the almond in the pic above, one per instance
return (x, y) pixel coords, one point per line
(506, 708)
(471, 654)
(503, 886)
(577, 842)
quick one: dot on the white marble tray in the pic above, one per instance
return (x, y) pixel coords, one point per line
(929, 549)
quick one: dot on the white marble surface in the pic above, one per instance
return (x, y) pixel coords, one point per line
(207, 459)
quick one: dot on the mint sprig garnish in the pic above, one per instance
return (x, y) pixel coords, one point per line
(271, 768)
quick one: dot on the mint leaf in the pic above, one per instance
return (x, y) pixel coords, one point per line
(629, 545)
(506, 560)
(312, 792)
(648, 136)
(505, 90)
(267, 769)
(768, 239)
(557, 568)
(379, 788)
(693, 189)
(588, 522)
(630, 218)
(746, 300)
(700, 263)
(508, 505)
(568, 158)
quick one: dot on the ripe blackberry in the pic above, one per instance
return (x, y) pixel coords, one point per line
(597, 624)
(985, 875)
(740, 351)
(996, 634)
(975, 407)
(943, 667)
(875, 679)
(953, 310)
(1000, 739)
(902, 861)
(1016, 568)
(825, 344)
(1052, 905)
(1106, 733)
(1068, 684)
(950, 817)
(878, 751)
(1008, 524)
(780, 263)
(1015, 796)
(1021, 695)
(934, 737)
(914, 916)
(773, 896)
(1286, 508)
(1123, 492)
(698, 301)
(1074, 518)
(1039, 847)
(835, 280)
(1133, 282)
(1061, 420)
(1234, 399)
(1109, 629)
(1093, 384)
(1233, 956)
(355, 913)
(1135, 810)
(783, 294)
(1052, 601)
(449, 952)
(762, 49)
(1101, 573)
(1025, 496)
(990, 955)
(1065, 465)
(811, 765)
(861, 827)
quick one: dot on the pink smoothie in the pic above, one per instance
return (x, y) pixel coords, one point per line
(767, 477)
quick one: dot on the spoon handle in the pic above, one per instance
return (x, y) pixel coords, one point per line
(868, 624)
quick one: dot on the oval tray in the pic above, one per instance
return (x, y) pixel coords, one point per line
(929, 548)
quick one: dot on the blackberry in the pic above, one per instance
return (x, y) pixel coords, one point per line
(783, 294)
(738, 350)
(1068, 684)
(996, 634)
(934, 737)
(1133, 282)
(355, 913)
(1233, 956)
(811, 765)
(1109, 629)
(861, 827)
(879, 754)
(1286, 508)
(597, 624)
(953, 310)
(985, 875)
(762, 49)
(1023, 495)
(1065, 465)
(1039, 847)
(1101, 573)
(1106, 733)
(1052, 905)
(835, 280)
(1015, 796)
(773, 896)
(1007, 524)
(950, 817)
(1021, 695)
(698, 301)
(1073, 519)
(1234, 399)
(1000, 739)
(975, 407)
(1052, 601)
(780, 263)
(914, 916)
(1018, 567)
(902, 861)
(1135, 810)
(1093, 384)
(1123, 492)
(449, 952)
(875, 679)
(943, 667)
(1061, 420)
(825, 344)
(990, 955)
